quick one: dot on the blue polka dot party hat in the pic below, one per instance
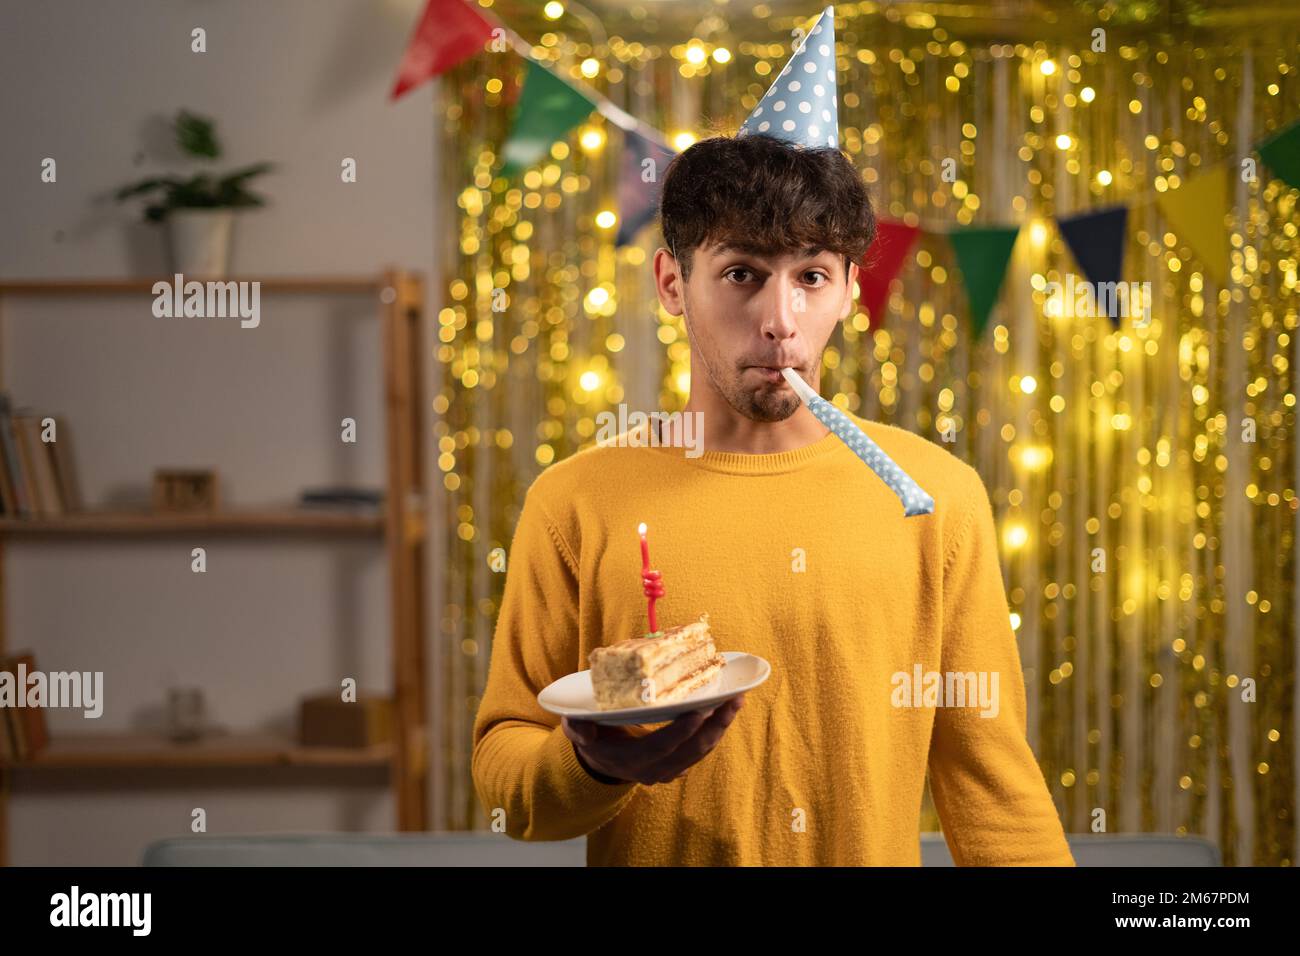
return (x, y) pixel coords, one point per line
(916, 501)
(801, 104)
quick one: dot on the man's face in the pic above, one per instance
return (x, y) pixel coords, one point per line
(749, 316)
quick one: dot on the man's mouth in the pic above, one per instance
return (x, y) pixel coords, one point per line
(769, 373)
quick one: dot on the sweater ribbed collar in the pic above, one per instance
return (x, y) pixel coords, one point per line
(743, 463)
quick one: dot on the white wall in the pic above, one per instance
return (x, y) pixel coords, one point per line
(302, 83)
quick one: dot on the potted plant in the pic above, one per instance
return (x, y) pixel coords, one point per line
(198, 210)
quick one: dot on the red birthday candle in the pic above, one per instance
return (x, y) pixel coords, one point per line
(650, 580)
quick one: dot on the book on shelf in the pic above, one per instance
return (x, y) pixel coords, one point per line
(49, 503)
(37, 477)
(8, 495)
(23, 732)
(16, 502)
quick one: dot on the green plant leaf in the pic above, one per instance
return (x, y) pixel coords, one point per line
(144, 186)
(196, 192)
(197, 135)
(231, 191)
(247, 172)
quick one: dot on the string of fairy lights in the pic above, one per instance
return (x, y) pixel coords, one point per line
(1149, 548)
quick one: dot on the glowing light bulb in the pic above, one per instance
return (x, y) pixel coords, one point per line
(1033, 457)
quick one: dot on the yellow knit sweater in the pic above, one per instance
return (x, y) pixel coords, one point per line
(803, 558)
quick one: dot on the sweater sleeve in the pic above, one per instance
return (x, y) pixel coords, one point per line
(522, 762)
(992, 801)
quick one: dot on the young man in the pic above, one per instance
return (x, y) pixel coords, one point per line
(798, 553)
(889, 636)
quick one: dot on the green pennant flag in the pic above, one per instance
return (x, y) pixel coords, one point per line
(1281, 152)
(547, 109)
(983, 253)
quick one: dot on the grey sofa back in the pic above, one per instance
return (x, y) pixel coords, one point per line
(490, 849)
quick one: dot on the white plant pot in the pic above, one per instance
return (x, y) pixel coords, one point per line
(199, 241)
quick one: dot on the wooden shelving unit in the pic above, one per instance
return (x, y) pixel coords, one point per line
(401, 522)
(140, 751)
(236, 522)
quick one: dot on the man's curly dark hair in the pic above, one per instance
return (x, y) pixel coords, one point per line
(765, 196)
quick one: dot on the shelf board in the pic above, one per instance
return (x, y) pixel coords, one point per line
(285, 284)
(235, 521)
(141, 751)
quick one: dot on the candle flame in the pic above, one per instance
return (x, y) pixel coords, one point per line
(640, 529)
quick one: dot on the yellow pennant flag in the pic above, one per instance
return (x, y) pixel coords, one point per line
(1196, 211)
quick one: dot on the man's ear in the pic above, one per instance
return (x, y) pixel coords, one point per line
(665, 285)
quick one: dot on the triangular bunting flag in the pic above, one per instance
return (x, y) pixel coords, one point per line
(449, 31)
(1196, 211)
(1097, 241)
(547, 109)
(982, 255)
(640, 181)
(884, 258)
(1281, 152)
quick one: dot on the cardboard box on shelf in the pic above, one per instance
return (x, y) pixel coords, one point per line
(324, 720)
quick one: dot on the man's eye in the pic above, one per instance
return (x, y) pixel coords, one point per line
(732, 272)
(820, 275)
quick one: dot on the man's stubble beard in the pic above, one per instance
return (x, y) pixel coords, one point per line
(764, 404)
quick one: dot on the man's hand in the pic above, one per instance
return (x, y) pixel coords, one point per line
(613, 755)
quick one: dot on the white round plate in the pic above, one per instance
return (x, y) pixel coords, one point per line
(572, 696)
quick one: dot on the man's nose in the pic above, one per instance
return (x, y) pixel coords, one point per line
(781, 311)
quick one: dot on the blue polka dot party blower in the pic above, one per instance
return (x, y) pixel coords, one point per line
(914, 498)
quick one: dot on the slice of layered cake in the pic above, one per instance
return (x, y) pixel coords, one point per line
(656, 669)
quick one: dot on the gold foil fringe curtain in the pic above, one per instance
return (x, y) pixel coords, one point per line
(1149, 549)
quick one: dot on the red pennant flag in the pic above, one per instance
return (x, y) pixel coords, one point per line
(885, 256)
(449, 31)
